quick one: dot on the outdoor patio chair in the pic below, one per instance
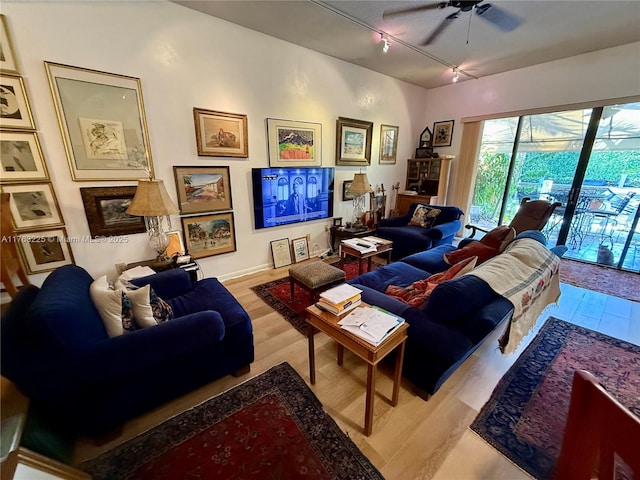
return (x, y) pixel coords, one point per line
(606, 216)
(532, 215)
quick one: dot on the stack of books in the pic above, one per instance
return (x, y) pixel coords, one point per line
(340, 299)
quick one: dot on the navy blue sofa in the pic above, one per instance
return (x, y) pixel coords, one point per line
(409, 239)
(56, 350)
(457, 317)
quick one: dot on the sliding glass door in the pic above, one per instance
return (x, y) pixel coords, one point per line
(588, 160)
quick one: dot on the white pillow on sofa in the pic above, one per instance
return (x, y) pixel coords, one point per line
(108, 302)
(141, 305)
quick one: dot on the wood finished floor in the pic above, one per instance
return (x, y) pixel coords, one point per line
(416, 439)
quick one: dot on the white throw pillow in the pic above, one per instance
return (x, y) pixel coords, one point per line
(141, 305)
(108, 302)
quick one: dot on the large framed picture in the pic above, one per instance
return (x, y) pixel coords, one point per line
(102, 122)
(388, 144)
(353, 141)
(7, 58)
(294, 144)
(15, 111)
(46, 250)
(221, 134)
(33, 205)
(442, 133)
(281, 253)
(203, 189)
(208, 235)
(106, 211)
(300, 249)
(21, 158)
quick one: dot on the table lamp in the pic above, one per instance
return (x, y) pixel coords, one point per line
(152, 202)
(359, 189)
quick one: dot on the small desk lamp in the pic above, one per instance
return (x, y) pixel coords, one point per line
(152, 202)
(359, 189)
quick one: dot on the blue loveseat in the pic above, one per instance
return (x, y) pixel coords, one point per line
(452, 323)
(409, 239)
(56, 350)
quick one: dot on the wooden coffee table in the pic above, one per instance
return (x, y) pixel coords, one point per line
(328, 323)
(346, 249)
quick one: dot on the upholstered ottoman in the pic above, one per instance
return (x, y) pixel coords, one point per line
(315, 277)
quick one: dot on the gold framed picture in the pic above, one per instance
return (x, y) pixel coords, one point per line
(294, 144)
(7, 58)
(15, 112)
(388, 144)
(281, 253)
(21, 158)
(203, 189)
(45, 250)
(353, 142)
(221, 134)
(33, 205)
(208, 235)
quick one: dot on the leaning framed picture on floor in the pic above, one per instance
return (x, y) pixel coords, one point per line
(300, 249)
(281, 253)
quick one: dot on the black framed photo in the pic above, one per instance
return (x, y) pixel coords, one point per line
(442, 133)
(281, 253)
(337, 222)
(346, 185)
(106, 211)
(425, 152)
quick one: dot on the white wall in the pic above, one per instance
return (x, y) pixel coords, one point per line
(186, 59)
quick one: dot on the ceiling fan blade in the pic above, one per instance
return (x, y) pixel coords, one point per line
(502, 19)
(421, 8)
(440, 28)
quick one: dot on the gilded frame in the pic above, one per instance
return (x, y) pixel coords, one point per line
(300, 249)
(105, 208)
(8, 63)
(208, 235)
(281, 253)
(33, 205)
(353, 141)
(221, 134)
(213, 195)
(45, 250)
(21, 158)
(102, 122)
(388, 144)
(14, 94)
(294, 144)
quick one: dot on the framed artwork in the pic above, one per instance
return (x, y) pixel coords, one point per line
(208, 235)
(221, 134)
(176, 245)
(45, 250)
(203, 189)
(337, 222)
(21, 158)
(281, 253)
(346, 185)
(353, 142)
(15, 111)
(388, 144)
(300, 249)
(106, 211)
(425, 152)
(33, 205)
(294, 144)
(426, 138)
(102, 122)
(442, 133)
(7, 58)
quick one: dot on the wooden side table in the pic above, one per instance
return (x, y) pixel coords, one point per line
(340, 233)
(328, 323)
(380, 249)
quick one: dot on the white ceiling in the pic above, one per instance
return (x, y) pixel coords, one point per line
(350, 30)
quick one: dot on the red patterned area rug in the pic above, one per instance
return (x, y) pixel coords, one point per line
(526, 415)
(270, 427)
(277, 294)
(601, 279)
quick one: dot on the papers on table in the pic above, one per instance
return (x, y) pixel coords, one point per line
(341, 293)
(136, 272)
(376, 240)
(371, 324)
(360, 245)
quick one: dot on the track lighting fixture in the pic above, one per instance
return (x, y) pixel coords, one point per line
(455, 75)
(386, 43)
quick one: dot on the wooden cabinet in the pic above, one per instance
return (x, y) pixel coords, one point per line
(429, 177)
(405, 200)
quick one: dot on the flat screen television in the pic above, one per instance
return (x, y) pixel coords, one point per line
(290, 195)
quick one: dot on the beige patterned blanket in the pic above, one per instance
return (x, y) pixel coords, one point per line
(526, 274)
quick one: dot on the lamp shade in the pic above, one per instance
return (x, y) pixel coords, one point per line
(360, 185)
(151, 200)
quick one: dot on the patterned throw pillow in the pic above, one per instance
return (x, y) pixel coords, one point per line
(128, 325)
(424, 216)
(147, 307)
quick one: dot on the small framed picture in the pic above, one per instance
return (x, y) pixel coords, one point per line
(7, 58)
(294, 144)
(346, 185)
(208, 235)
(15, 112)
(353, 142)
(106, 211)
(425, 152)
(281, 253)
(388, 144)
(442, 133)
(21, 158)
(176, 245)
(221, 134)
(337, 222)
(33, 205)
(300, 249)
(425, 138)
(46, 250)
(203, 189)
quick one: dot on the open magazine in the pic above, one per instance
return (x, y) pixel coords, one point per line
(371, 324)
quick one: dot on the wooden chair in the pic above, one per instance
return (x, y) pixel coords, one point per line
(10, 266)
(599, 428)
(532, 215)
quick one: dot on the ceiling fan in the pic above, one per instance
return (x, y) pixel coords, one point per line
(500, 18)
